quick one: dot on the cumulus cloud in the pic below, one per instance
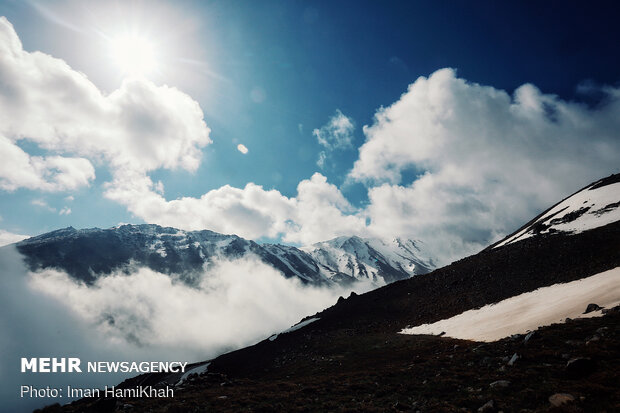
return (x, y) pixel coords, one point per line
(53, 173)
(318, 211)
(250, 212)
(337, 133)
(491, 160)
(139, 126)
(322, 212)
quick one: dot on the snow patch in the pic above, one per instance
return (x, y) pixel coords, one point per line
(295, 327)
(589, 208)
(528, 311)
(196, 370)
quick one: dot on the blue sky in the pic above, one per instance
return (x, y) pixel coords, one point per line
(268, 74)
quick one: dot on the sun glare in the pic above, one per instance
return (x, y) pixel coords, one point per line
(134, 55)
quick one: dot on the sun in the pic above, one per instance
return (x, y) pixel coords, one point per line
(134, 55)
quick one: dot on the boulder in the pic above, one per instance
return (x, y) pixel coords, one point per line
(558, 399)
(499, 383)
(580, 367)
(592, 307)
(488, 407)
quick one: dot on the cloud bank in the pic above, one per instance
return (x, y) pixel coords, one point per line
(141, 316)
(235, 303)
(7, 237)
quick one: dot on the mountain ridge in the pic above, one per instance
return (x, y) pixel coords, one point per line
(86, 254)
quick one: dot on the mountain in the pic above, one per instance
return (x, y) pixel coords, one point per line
(374, 259)
(85, 254)
(595, 205)
(354, 357)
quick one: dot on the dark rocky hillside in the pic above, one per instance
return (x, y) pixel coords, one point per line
(576, 362)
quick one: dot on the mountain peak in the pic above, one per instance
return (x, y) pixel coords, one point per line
(596, 205)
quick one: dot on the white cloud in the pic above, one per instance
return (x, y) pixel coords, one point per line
(322, 212)
(250, 212)
(242, 148)
(65, 211)
(492, 161)
(53, 173)
(235, 303)
(7, 237)
(318, 212)
(139, 126)
(42, 204)
(337, 133)
(322, 158)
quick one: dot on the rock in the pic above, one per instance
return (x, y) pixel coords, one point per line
(592, 307)
(514, 359)
(528, 337)
(592, 339)
(559, 399)
(401, 407)
(499, 383)
(488, 407)
(486, 361)
(613, 310)
(580, 367)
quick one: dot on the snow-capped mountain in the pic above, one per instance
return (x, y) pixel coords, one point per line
(370, 258)
(85, 254)
(596, 205)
